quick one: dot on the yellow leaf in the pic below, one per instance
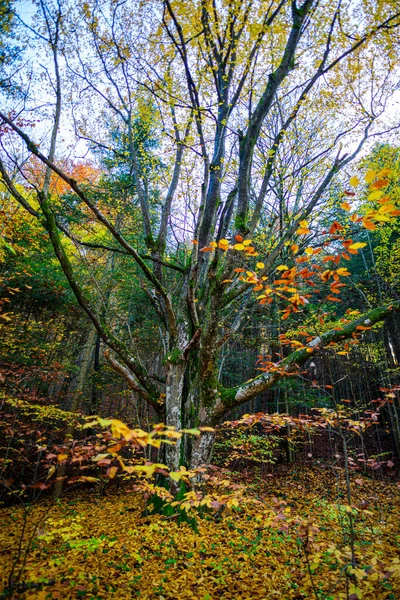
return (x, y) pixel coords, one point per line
(112, 471)
(309, 251)
(375, 195)
(345, 206)
(238, 247)
(260, 265)
(370, 176)
(357, 245)
(354, 181)
(282, 268)
(247, 242)
(119, 429)
(213, 244)
(223, 244)
(148, 470)
(62, 457)
(302, 231)
(52, 470)
(303, 223)
(381, 218)
(175, 435)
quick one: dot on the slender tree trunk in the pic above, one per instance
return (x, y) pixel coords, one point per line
(76, 404)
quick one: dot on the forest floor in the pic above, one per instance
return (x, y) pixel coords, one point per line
(293, 541)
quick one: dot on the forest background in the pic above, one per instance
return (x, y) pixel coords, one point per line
(199, 245)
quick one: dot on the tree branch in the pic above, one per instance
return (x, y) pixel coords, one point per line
(233, 397)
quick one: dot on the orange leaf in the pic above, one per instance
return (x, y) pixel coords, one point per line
(368, 224)
(384, 172)
(335, 227)
(381, 183)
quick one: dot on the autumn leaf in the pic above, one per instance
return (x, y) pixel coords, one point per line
(336, 226)
(111, 472)
(375, 195)
(368, 224)
(223, 244)
(357, 245)
(370, 176)
(381, 183)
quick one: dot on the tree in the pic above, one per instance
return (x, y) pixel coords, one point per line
(250, 105)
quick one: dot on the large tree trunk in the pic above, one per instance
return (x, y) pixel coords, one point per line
(202, 449)
(173, 410)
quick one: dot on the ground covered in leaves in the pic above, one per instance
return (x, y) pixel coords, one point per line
(292, 540)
